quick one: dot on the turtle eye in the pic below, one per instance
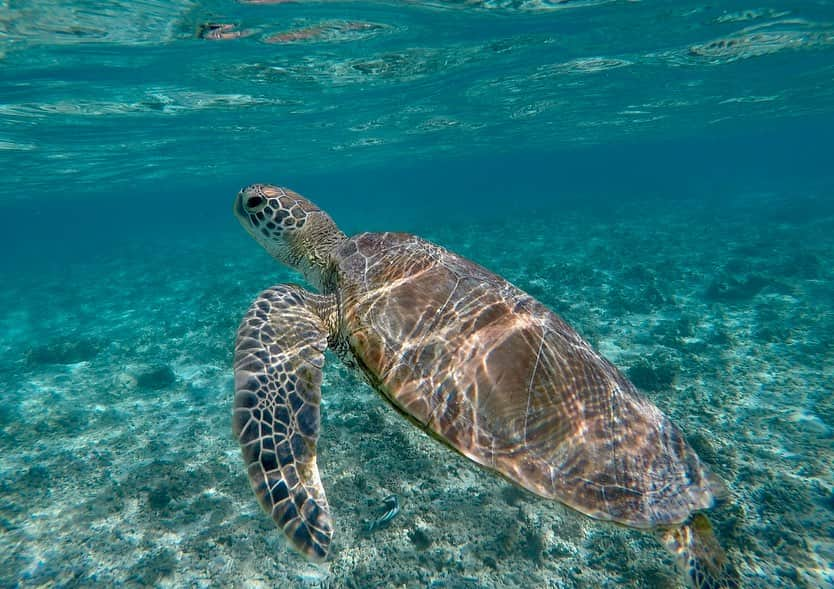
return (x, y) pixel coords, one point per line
(255, 203)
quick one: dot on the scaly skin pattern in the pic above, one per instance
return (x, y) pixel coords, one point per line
(279, 355)
(699, 556)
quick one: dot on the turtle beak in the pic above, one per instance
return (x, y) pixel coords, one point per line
(237, 208)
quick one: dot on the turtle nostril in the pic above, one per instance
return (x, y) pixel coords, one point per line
(253, 202)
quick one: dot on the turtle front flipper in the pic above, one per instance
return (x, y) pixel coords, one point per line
(699, 556)
(279, 355)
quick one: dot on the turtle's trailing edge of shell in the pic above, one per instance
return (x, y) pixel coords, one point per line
(474, 361)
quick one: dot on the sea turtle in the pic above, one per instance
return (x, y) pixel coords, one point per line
(469, 358)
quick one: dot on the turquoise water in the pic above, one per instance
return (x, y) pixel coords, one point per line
(660, 174)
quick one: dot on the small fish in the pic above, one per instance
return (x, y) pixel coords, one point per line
(392, 505)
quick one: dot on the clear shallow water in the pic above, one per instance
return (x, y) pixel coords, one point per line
(658, 174)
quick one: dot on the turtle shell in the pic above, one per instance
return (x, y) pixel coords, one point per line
(499, 377)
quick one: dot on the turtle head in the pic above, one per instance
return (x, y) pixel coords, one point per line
(290, 227)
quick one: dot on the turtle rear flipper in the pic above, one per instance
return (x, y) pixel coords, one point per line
(699, 556)
(279, 355)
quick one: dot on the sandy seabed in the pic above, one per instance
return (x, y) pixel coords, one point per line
(118, 468)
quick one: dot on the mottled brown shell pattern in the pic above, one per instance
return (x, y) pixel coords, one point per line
(499, 377)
